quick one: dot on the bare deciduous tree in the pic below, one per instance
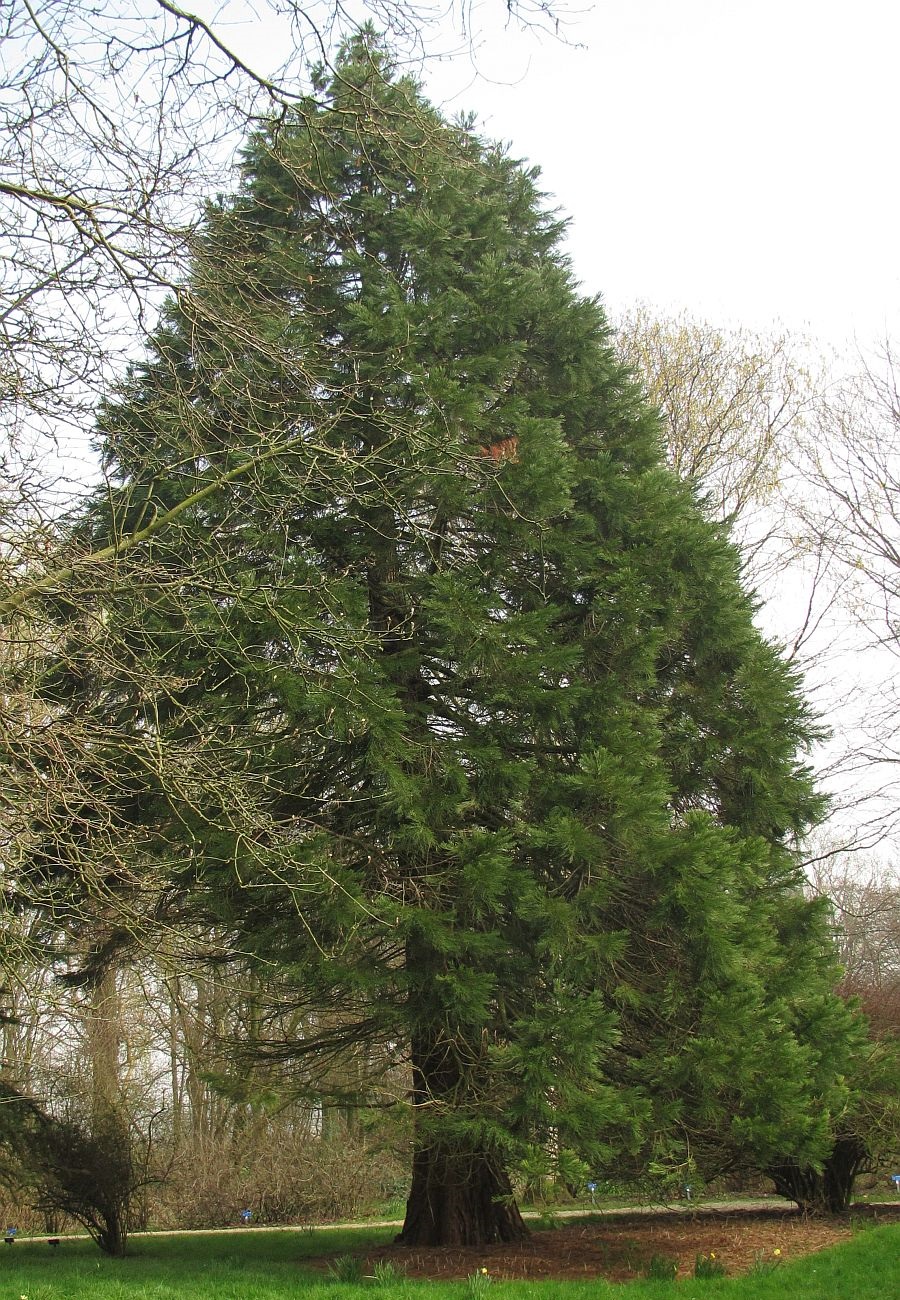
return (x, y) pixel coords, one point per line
(117, 123)
(850, 513)
(865, 896)
(732, 404)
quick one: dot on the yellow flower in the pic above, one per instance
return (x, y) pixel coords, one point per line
(776, 1251)
(712, 1254)
(484, 1270)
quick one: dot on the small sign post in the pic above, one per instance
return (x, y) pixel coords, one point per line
(592, 1187)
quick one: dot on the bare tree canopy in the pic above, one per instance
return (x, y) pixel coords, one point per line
(116, 119)
(117, 123)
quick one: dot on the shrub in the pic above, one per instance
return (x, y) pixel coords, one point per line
(282, 1177)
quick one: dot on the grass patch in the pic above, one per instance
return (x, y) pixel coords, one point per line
(272, 1266)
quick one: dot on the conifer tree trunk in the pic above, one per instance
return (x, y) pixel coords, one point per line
(825, 1191)
(460, 1194)
(459, 1198)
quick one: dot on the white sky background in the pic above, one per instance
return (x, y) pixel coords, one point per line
(738, 160)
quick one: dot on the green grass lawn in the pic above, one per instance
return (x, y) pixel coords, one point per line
(270, 1266)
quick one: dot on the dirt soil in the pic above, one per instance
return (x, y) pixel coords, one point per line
(620, 1247)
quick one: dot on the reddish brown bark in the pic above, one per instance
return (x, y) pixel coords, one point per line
(460, 1194)
(459, 1199)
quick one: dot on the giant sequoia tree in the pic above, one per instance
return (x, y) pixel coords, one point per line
(437, 698)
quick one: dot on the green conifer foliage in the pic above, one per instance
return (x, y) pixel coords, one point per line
(506, 780)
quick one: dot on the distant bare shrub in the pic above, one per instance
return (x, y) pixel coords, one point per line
(281, 1178)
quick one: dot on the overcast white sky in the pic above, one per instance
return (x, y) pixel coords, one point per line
(735, 159)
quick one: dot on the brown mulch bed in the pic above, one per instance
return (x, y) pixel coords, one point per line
(620, 1247)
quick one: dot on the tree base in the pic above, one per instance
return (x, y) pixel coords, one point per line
(460, 1199)
(829, 1191)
